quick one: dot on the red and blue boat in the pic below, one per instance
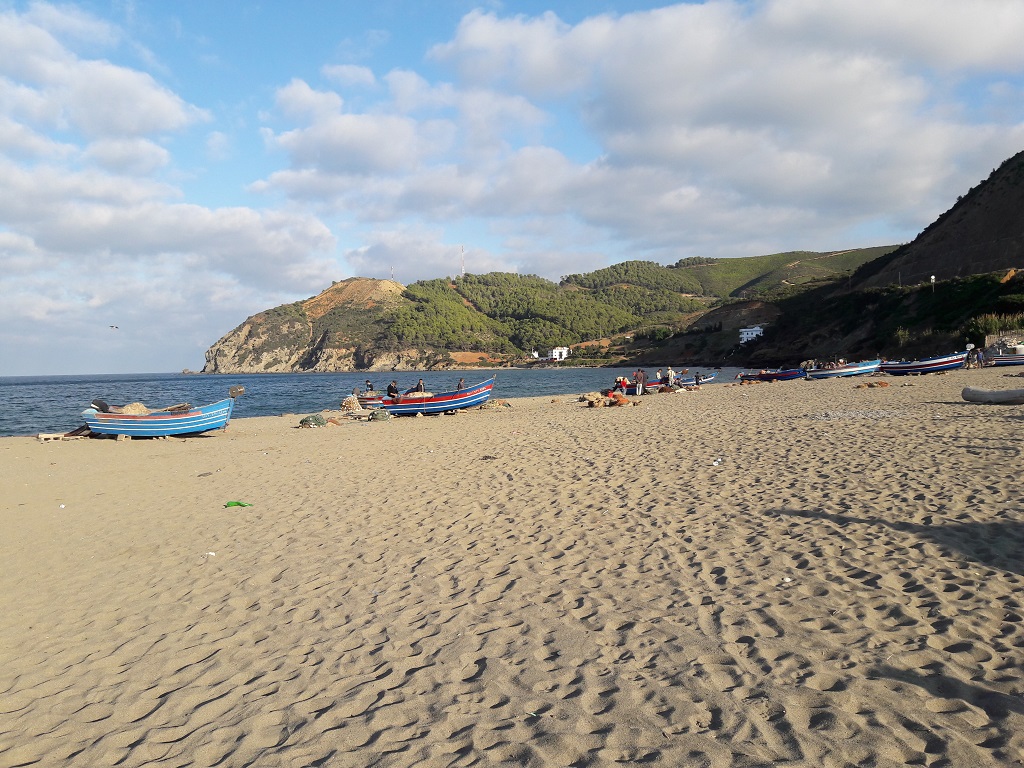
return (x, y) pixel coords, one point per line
(1006, 359)
(188, 421)
(925, 365)
(778, 374)
(847, 369)
(413, 403)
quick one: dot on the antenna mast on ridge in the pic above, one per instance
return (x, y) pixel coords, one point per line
(463, 248)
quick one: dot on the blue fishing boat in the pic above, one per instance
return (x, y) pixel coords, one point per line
(848, 369)
(370, 399)
(1006, 359)
(925, 365)
(188, 421)
(779, 374)
(413, 403)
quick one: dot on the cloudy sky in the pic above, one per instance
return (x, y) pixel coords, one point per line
(171, 168)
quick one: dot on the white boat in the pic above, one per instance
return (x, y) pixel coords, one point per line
(848, 369)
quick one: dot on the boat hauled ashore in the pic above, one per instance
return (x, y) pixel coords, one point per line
(182, 419)
(413, 403)
(780, 374)
(925, 365)
(1007, 359)
(848, 369)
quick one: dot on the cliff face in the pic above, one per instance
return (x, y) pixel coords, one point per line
(332, 331)
(983, 232)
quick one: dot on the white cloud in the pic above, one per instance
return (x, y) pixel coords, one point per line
(92, 234)
(363, 143)
(218, 145)
(103, 99)
(349, 74)
(134, 157)
(412, 253)
(72, 24)
(298, 100)
(19, 140)
(947, 35)
(721, 128)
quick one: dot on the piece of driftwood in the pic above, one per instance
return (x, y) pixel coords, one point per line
(993, 396)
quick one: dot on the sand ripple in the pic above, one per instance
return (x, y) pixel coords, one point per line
(799, 574)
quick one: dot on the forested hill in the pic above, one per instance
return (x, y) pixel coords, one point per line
(370, 324)
(748, 277)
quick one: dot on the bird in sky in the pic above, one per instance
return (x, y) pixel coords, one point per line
(114, 327)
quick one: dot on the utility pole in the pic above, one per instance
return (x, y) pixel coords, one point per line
(463, 249)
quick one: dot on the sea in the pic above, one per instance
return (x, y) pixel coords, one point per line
(52, 404)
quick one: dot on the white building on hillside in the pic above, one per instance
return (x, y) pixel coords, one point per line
(558, 353)
(746, 334)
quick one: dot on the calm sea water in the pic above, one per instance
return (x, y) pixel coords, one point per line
(34, 404)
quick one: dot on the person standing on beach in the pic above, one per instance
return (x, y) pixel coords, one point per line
(639, 378)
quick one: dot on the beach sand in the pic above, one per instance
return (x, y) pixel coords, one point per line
(800, 574)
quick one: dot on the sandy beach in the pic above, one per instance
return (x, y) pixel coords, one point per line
(799, 574)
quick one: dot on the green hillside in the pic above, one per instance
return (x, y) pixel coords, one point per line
(745, 277)
(858, 302)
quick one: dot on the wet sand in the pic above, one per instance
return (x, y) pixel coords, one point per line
(801, 573)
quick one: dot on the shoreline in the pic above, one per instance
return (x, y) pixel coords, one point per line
(800, 572)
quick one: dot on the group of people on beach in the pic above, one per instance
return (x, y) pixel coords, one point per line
(640, 380)
(394, 391)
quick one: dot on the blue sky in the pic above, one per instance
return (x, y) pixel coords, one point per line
(171, 168)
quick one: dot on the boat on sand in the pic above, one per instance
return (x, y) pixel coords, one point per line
(176, 420)
(925, 365)
(1007, 359)
(993, 396)
(413, 403)
(778, 374)
(847, 369)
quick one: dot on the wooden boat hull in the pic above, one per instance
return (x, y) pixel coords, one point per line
(1007, 359)
(993, 396)
(783, 374)
(927, 365)
(442, 402)
(850, 369)
(161, 424)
